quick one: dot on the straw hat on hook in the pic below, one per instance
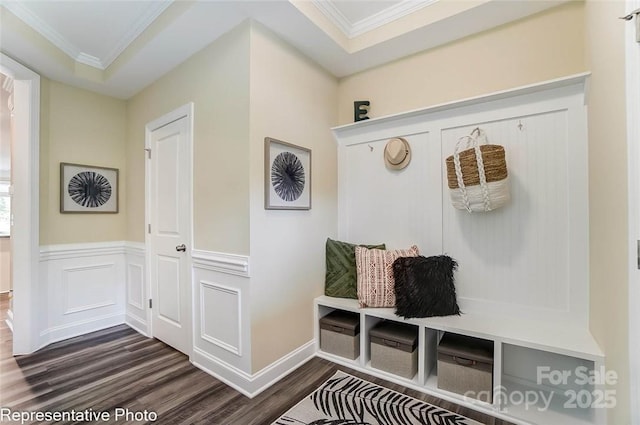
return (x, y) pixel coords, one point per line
(397, 153)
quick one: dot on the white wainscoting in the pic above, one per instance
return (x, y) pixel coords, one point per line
(92, 286)
(137, 311)
(222, 325)
(82, 289)
(221, 308)
(88, 287)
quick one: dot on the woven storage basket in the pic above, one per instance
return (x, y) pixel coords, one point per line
(477, 176)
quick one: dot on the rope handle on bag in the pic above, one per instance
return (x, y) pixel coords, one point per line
(472, 141)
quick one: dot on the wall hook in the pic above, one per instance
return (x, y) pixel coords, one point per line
(370, 148)
(520, 126)
(631, 15)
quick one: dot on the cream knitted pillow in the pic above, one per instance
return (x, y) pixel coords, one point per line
(374, 267)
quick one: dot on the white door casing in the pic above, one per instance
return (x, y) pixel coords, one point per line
(633, 143)
(25, 248)
(169, 229)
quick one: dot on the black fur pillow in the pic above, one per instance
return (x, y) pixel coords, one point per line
(425, 286)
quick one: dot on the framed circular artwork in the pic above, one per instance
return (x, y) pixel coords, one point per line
(88, 189)
(287, 176)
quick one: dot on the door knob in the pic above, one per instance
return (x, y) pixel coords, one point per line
(181, 247)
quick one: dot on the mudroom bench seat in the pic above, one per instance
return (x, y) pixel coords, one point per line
(521, 347)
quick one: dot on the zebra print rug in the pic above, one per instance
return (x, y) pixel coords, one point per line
(347, 400)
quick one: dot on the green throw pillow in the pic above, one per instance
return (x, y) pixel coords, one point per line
(340, 279)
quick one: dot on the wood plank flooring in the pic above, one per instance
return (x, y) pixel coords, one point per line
(119, 368)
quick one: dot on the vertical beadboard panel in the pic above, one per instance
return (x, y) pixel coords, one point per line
(528, 259)
(516, 255)
(394, 206)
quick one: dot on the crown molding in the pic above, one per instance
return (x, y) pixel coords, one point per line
(388, 15)
(152, 13)
(89, 60)
(58, 40)
(29, 18)
(329, 9)
(354, 29)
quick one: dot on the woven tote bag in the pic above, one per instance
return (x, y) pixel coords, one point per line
(477, 174)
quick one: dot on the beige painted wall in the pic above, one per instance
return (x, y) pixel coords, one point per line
(80, 127)
(605, 47)
(292, 100)
(216, 79)
(542, 47)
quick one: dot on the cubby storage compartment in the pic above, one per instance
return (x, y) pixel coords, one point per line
(545, 387)
(394, 348)
(340, 334)
(465, 366)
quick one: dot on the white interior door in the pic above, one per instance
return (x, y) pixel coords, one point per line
(169, 232)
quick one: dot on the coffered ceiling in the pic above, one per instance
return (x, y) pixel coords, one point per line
(118, 47)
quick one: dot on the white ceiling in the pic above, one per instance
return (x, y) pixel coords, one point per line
(126, 45)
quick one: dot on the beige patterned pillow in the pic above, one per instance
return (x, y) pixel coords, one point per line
(374, 267)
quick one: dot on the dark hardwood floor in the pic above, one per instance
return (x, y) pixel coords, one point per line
(119, 368)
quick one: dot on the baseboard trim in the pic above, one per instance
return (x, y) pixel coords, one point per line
(137, 325)
(253, 384)
(230, 375)
(277, 370)
(71, 330)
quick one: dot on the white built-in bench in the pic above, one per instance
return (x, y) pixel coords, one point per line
(517, 343)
